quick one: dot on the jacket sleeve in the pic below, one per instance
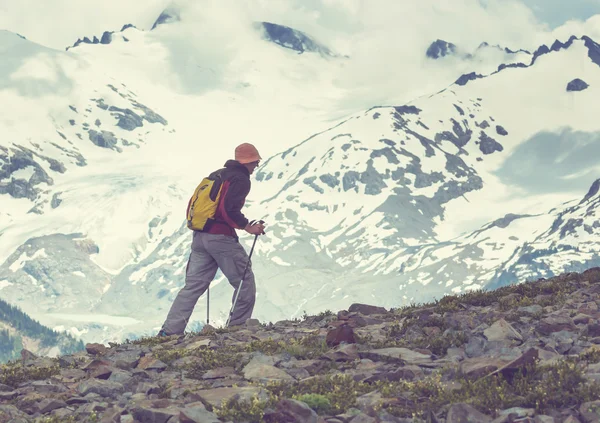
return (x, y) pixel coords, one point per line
(235, 197)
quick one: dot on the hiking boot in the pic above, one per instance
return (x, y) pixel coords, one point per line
(162, 333)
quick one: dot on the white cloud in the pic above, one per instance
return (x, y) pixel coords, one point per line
(590, 27)
(58, 23)
(385, 39)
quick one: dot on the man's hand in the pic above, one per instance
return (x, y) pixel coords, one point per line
(255, 229)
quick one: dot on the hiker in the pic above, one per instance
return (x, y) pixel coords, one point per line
(217, 245)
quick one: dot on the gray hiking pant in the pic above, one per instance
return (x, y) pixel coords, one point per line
(209, 252)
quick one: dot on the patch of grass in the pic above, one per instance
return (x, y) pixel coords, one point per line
(592, 356)
(561, 385)
(55, 419)
(510, 302)
(410, 335)
(340, 390)
(13, 374)
(149, 341)
(211, 359)
(169, 355)
(306, 347)
(319, 403)
(553, 291)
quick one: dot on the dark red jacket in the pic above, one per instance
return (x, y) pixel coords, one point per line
(236, 186)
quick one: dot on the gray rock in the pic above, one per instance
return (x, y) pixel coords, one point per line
(264, 372)
(531, 310)
(501, 330)
(553, 324)
(49, 404)
(343, 352)
(366, 309)
(464, 413)
(8, 395)
(517, 412)
(215, 397)
(590, 412)
(291, 411)
(120, 376)
(145, 412)
(101, 387)
(197, 414)
(126, 360)
(402, 355)
(364, 418)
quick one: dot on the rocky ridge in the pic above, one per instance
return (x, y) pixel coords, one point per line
(524, 353)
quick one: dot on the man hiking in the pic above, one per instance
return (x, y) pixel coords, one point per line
(216, 246)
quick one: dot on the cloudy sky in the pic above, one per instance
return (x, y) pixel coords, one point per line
(58, 23)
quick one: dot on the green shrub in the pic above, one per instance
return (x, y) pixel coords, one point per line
(317, 402)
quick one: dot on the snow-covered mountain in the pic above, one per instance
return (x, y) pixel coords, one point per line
(380, 205)
(485, 59)
(396, 203)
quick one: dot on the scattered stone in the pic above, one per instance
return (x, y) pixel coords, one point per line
(103, 388)
(344, 352)
(400, 355)
(215, 397)
(197, 414)
(341, 334)
(49, 404)
(264, 372)
(501, 330)
(128, 383)
(367, 310)
(291, 411)
(464, 413)
(218, 373)
(553, 324)
(147, 411)
(151, 363)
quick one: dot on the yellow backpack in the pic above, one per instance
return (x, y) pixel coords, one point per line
(203, 203)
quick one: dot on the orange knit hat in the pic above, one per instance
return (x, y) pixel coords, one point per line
(246, 153)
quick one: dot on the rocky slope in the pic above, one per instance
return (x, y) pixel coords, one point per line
(526, 353)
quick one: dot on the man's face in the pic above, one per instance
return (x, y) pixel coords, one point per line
(252, 166)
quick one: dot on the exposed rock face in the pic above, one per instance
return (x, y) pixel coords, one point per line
(440, 48)
(290, 38)
(167, 16)
(494, 352)
(577, 85)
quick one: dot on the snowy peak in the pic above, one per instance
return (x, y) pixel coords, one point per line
(106, 38)
(291, 38)
(169, 15)
(592, 47)
(485, 45)
(440, 48)
(593, 192)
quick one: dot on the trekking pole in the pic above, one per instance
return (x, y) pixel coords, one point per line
(208, 305)
(237, 294)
